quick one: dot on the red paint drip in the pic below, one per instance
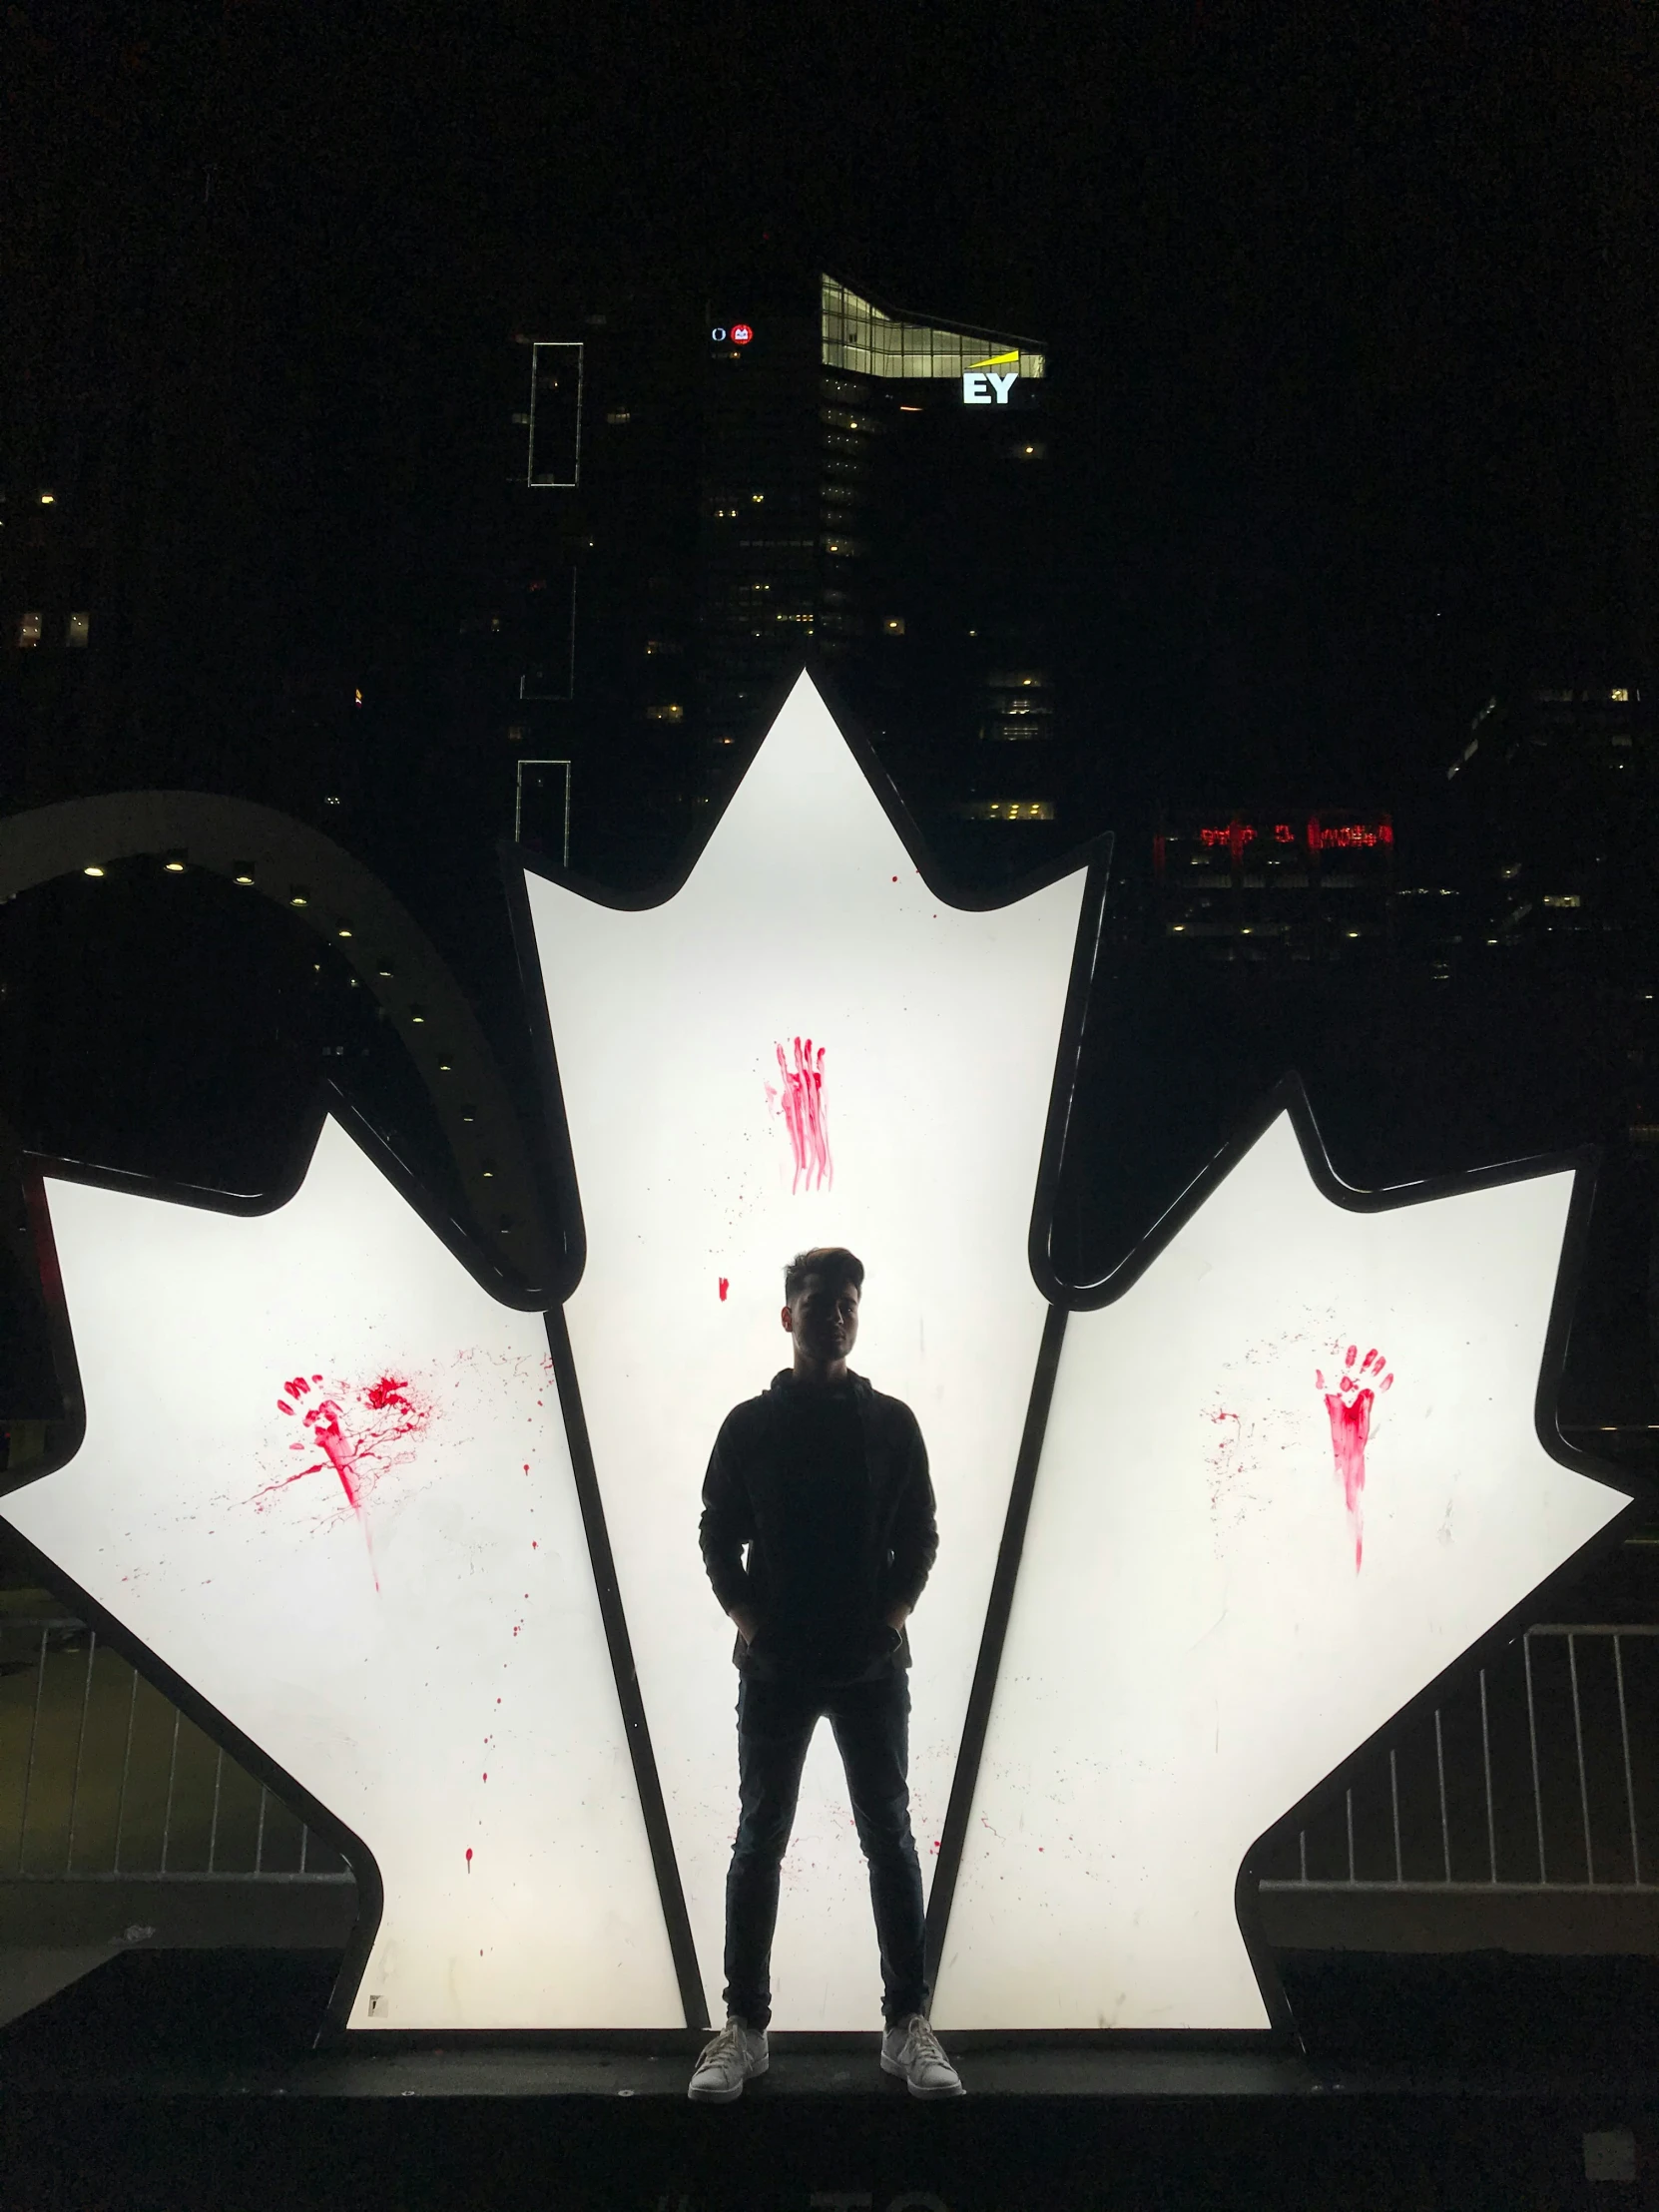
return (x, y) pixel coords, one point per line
(469, 1857)
(724, 1288)
(1348, 1406)
(800, 1103)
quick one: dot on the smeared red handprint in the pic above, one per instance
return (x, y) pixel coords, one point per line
(1349, 1398)
(800, 1103)
(358, 1430)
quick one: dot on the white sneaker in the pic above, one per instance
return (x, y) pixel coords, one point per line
(727, 2061)
(912, 2050)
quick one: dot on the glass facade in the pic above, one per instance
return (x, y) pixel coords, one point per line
(858, 337)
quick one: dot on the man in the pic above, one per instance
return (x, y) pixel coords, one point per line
(826, 1482)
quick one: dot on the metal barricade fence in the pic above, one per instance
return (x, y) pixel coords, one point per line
(1541, 1776)
(103, 1778)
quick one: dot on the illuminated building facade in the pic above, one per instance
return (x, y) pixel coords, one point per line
(1300, 885)
(706, 495)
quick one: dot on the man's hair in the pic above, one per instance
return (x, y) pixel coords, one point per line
(831, 1262)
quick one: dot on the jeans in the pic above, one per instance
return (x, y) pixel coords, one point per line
(871, 1721)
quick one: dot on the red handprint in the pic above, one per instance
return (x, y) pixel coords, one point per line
(1349, 1401)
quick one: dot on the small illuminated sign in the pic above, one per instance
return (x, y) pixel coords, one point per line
(718, 336)
(741, 334)
(1321, 838)
(987, 384)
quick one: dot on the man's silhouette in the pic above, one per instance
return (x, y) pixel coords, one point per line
(818, 1533)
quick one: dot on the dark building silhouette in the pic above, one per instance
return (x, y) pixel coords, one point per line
(1551, 802)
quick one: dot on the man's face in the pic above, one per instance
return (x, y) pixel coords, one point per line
(823, 1317)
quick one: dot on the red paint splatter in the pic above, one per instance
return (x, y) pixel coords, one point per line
(800, 1104)
(363, 1432)
(1225, 1455)
(469, 1857)
(1348, 1406)
(724, 1288)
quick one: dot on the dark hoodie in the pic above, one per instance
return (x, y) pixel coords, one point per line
(829, 1489)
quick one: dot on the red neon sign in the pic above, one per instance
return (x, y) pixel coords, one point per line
(1320, 838)
(741, 334)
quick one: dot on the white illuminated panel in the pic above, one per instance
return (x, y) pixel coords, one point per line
(324, 1478)
(1212, 1611)
(701, 1173)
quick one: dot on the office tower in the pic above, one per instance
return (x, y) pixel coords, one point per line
(712, 492)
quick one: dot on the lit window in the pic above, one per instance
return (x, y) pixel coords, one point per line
(48, 498)
(1008, 809)
(895, 626)
(856, 335)
(665, 714)
(1622, 692)
(1562, 898)
(76, 629)
(28, 630)
(619, 414)
(516, 733)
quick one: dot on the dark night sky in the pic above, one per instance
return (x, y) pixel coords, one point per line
(1350, 328)
(1353, 341)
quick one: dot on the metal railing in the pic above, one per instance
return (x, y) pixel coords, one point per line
(104, 1779)
(1542, 1776)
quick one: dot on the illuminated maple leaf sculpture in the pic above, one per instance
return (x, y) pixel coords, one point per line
(1285, 1480)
